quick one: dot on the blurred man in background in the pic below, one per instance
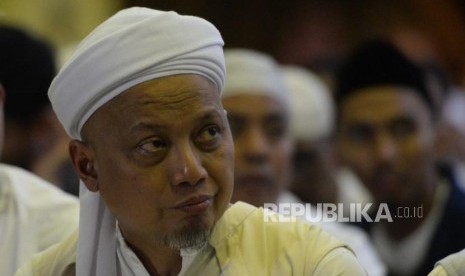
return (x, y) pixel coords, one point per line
(317, 176)
(33, 213)
(34, 139)
(258, 105)
(386, 133)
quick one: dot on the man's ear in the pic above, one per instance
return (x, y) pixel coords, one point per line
(82, 157)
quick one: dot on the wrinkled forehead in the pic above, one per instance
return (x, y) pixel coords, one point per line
(179, 94)
(168, 91)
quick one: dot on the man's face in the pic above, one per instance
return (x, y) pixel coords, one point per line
(386, 136)
(313, 178)
(262, 147)
(163, 159)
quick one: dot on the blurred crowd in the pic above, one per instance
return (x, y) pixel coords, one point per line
(385, 125)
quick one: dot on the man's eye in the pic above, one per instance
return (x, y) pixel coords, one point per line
(275, 130)
(209, 133)
(359, 135)
(153, 145)
(403, 128)
(209, 138)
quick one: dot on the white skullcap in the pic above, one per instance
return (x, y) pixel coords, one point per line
(133, 46)
(249, 72)
(312, 109)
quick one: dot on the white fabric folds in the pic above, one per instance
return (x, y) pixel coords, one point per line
(133, 46)
(312, 108)
(252, 72)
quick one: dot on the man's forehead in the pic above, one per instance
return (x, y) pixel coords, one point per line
(249, 102)
(383, 100)
(383, 112)
(158, 99)
(168, 91)
(209, 113)
(265, 116)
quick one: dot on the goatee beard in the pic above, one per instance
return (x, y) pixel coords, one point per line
(188, 239)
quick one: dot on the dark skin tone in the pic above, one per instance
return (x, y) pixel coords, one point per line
(161, 156)
(386, 134)
(313, 179)
(263, 147)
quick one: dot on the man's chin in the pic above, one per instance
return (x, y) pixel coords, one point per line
(193, 235)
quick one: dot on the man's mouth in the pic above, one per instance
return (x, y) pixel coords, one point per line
(196, 204)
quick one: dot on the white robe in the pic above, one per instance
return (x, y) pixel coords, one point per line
(242, 243)
(351, 235)
(34, 215)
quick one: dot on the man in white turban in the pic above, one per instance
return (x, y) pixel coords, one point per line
(152, 146)
(312, 126)
(258, 105)
(315, 176)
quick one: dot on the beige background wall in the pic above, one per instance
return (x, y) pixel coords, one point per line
(62, 22)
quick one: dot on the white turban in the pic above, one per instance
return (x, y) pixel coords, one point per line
(249, 72)
(312, 108)
(133, 46)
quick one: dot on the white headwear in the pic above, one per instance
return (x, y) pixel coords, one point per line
(133, 46)
(312, 109)
(250, 71)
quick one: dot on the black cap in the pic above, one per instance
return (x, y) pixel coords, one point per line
(27, 67)
(376, 63)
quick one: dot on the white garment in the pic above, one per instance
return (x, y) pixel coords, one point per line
(242, 242)
(130, 265)
(351, 235)
(405, 256)
(350, 189)
(34, 215)
(252, 72)
(452, 265)
(454, 109)
(312, 108)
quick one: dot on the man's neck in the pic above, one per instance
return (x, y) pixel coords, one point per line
(160, 260)
(157, 258)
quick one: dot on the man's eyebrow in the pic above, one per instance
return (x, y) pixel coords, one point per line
(208, 115)
(141, 126)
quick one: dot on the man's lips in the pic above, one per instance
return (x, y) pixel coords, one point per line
(195, 205)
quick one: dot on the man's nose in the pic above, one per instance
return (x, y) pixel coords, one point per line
(256, 145)
(386, 148)
(186, 166)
